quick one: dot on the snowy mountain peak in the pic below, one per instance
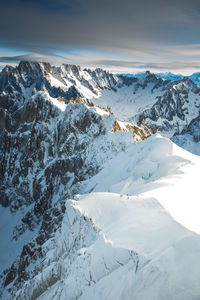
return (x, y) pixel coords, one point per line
(29, 67)
(71, 69)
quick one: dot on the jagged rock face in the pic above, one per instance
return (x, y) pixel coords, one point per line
(193, 129)
(167, 107)
(176, 107)
(103, 79)
(151, 78)
(24, 75)
(35, 138)
(27, 75)
(144, 80)
(33, 270)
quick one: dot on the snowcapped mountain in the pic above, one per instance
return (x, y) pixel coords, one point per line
(93, 203)
(176, 108)
(195, 77)
(168, 106)
(170, 76)
(66, 81)
(167, 75)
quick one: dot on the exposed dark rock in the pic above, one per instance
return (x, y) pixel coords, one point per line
(193, 128)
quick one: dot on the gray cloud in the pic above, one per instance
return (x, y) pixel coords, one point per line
(133, 66)
(132, 31)
(33, 57)
(105, 24)
(176, 65)
(116, 66)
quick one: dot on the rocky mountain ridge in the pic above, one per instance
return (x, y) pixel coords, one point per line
(165, 104)
(67, 81)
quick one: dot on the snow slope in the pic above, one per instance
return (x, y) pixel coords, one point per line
(156, 168)
(186, 141)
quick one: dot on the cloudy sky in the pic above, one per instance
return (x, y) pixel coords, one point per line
(123, 36)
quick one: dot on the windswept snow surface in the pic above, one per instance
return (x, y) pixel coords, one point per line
(168, 254)
(155, 168)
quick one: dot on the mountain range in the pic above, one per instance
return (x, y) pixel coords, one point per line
(99, 184)
(195, 77)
